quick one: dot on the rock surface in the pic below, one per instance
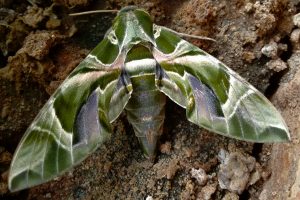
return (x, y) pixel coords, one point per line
(235, 171)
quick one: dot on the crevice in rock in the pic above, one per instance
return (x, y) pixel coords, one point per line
(274, 81)
(19, 196)
(288, 53)
(257, 149)
(275, 78)
(3, 61)
(245, 195)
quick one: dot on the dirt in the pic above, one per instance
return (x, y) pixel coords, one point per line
(40, 45)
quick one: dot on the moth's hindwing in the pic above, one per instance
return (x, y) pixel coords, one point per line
(74, 122)
(215, 97)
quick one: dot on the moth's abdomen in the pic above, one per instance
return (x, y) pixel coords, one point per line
(146, 112)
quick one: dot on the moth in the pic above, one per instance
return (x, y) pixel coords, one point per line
(135, 67)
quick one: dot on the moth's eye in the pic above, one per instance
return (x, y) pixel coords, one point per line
(156, 31)
(112, 37)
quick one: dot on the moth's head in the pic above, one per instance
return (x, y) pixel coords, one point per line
(132, 25)
(134, 11)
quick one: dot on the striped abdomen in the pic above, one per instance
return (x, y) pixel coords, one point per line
(145, 109)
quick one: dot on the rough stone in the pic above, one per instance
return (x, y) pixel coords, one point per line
(235, 171)
(248, 7)
(207, 192)
(285, 159)
(200, 175)
(294, 65)
(270, 50)
(276, 65)
(296, 20)
(230, 196)
(149, 198)
(165, 148)
(38, 45)
(295, 39)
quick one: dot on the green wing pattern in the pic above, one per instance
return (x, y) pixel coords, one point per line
(215, 97)
(73, 123)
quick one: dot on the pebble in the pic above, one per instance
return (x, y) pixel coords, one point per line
(207, 192)
(270, 50)
(165, 148)
(263, 195)
(249, 7)
(276, 65)
(248, 56)
(296, 20)
(149, 198)
(172, 169)
(255, 176)
(230, 196)
(200, 175)
(235, 171)
(188, 152)
(295, 39)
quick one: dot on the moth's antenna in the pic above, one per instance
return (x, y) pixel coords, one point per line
(93, 12)
(191, 36)
(115, 11)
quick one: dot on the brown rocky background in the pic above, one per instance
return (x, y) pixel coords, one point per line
(40, 44)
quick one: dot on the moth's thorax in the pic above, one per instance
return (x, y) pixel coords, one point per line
(140, 67)
(139, 61)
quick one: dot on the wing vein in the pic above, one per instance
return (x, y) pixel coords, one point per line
(226, 120)
(238, 118)
(246, 109)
